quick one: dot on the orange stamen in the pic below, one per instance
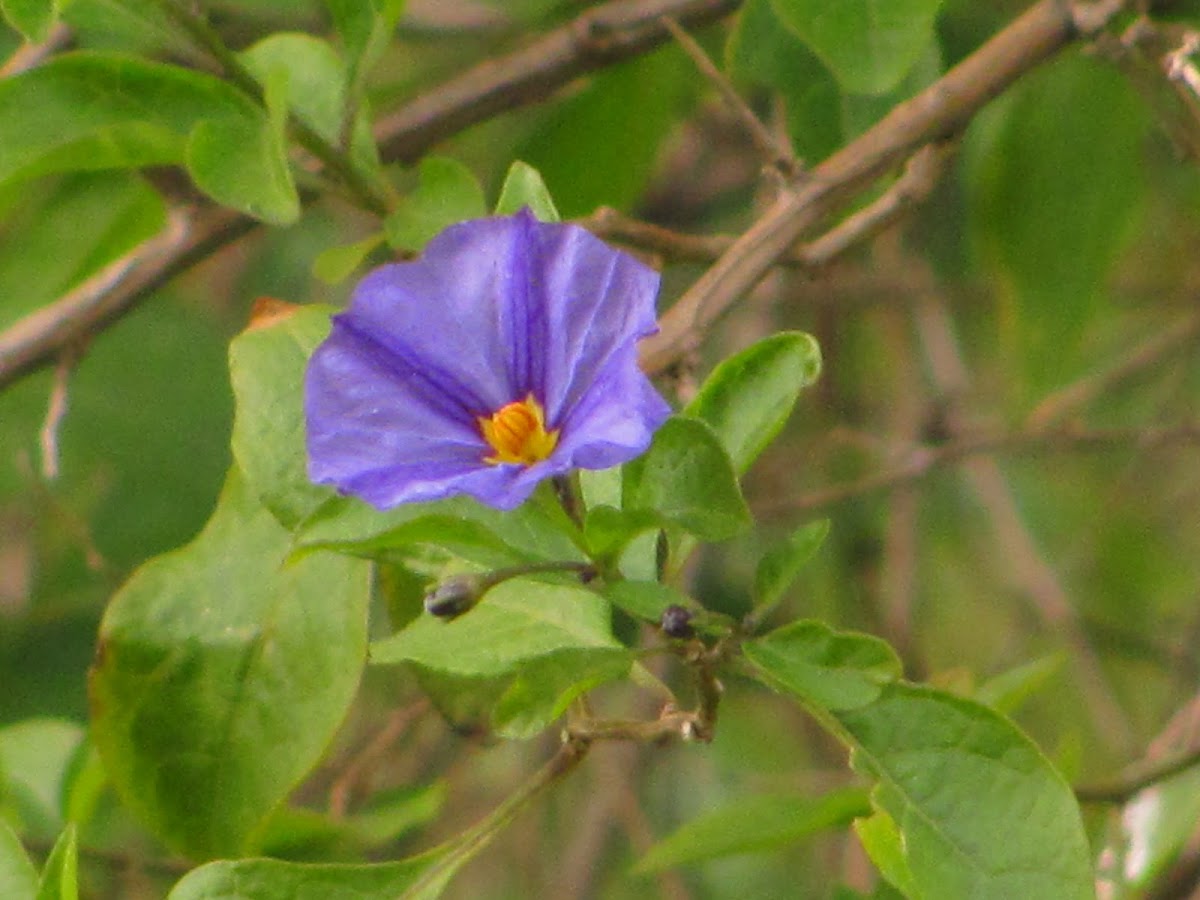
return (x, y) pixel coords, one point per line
(517, 432)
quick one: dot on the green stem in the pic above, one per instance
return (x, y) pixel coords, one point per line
(373, 194)
(474, 839)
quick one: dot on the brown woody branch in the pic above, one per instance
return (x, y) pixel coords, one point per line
(936, 114)
(598, 38)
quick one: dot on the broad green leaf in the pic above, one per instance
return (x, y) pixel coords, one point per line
(316, 88)
(266, 365)
(35, 755)
(781, 564)
(33, 18)
(868, 44)
(1007, 691)
(316, 78)
(364, 27)
(831, 669)
(754, 824)
(517, 620)
(981, 812)
(523, 186)
(762, 51)
(608, 530)
(60, 875)
(688, 480)
(464, 527)
(592, 151)
(545, 686)
(447, 192)
(273, 879)
(750, 395)
(131, 26)
(335, 264)
(241, 161)
(106, 215)
(18, 878)
(90, 110)
(209, 654)
(645, 599)
(1055, 181)
(883, 842)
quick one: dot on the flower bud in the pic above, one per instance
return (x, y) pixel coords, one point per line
(454, 596)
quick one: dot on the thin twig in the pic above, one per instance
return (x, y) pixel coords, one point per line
(56, 411)
(936, 114)
(463, 847)
(599, 37)
(29, 56)
(1137, 779)
(87, 308)
(365, 760)
(922, 461)
(771, 150)
(920, 176)
(1078, 395)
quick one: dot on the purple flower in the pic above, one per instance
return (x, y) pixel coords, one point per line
(504, 355)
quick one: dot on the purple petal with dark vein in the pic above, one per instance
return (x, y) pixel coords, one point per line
(598, 302)
(615, 419)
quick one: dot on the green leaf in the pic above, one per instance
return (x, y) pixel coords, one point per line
(316, 78)
(242, 162)
(645, 599)
(517, 620)
(462, 526)
(18, 878)
(781, 564)
(831, 669)
(754, 824)
(523, 186)
(213, 652)
(273, 879)
(981, 812)
(36, 755)
(337, 263)
(592, 151)
(447, 192)
(266, 365)
(868, 44)
(545, 686)
(1007, 691)
(885, 845)
(33, 18)
(750, 395)
(364, 27)
(90, 110)
(106, 215)
(60, 875)
(762, 51)
(608, 530)
(1055, 181)
(688, 480)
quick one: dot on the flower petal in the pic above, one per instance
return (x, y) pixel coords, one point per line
(495, 309)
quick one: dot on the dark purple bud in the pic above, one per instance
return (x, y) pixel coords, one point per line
(677, 622)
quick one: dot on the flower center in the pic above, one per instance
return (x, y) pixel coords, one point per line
(517, 432)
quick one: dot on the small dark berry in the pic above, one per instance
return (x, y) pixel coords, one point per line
(677, 622)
